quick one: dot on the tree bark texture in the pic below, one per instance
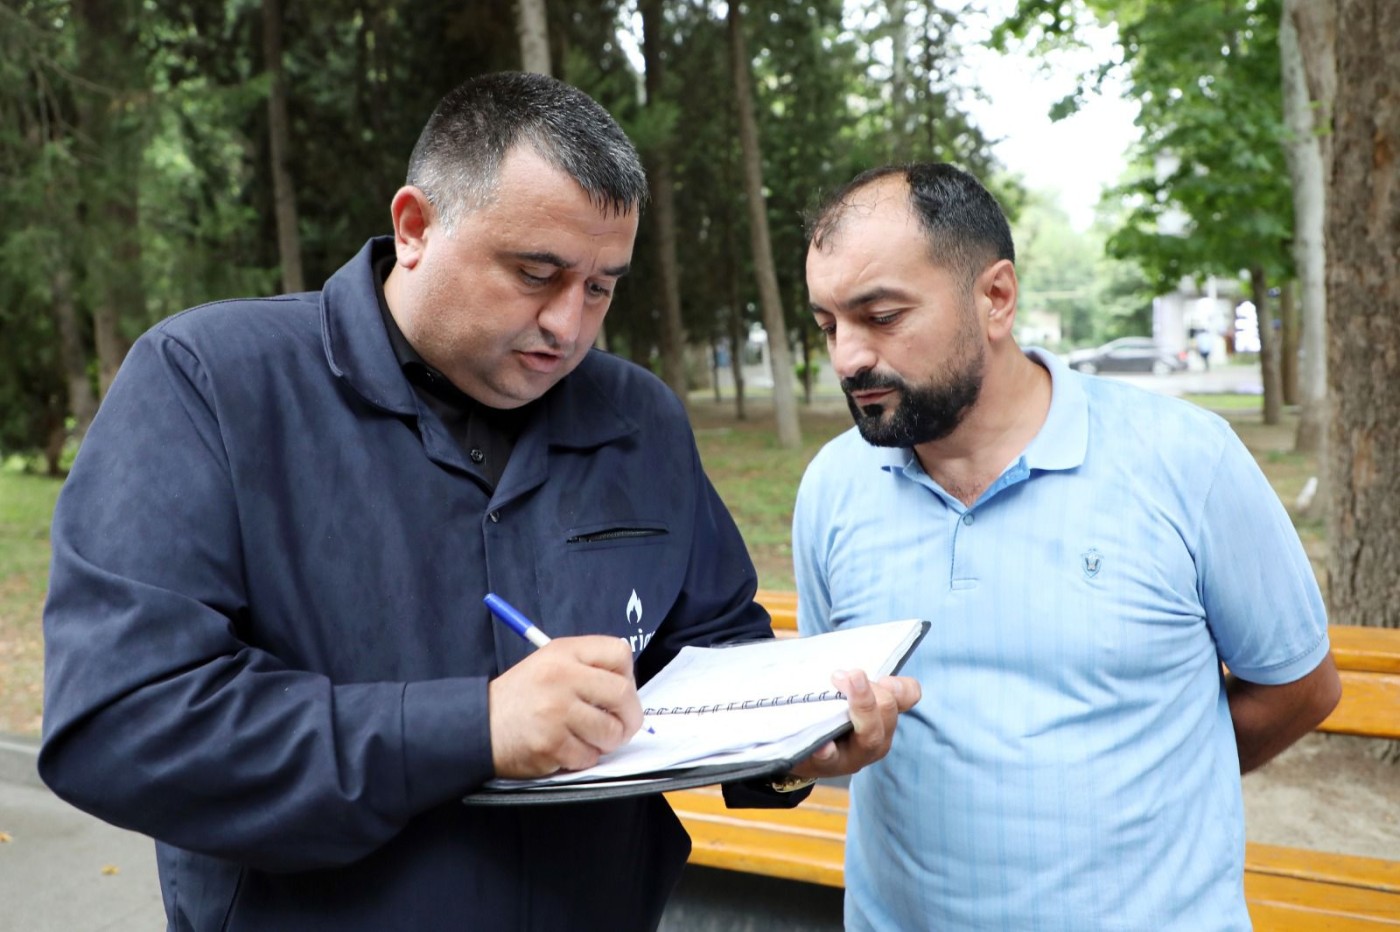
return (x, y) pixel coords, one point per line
(1363, 318)
(663, 208)
(1268, 345)
(1288, 346)
(82, 402)
(279, 135)
(784, 398)
(1307, 39)
(532, 26)
(110, 124)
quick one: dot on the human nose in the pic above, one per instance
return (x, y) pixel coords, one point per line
(850, 353)
(561, 319)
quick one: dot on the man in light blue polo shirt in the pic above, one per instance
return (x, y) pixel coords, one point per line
(1089, 555)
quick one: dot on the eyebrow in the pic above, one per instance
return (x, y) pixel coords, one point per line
(549, 258)
(865, 298)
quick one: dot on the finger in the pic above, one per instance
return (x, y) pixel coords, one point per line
(864, 702)
(596, 650)
(906, 691)
(613, 693)
(573, 753)
(598, 728)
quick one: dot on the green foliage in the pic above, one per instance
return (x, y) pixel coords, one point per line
(1206, 76)
(134, 166)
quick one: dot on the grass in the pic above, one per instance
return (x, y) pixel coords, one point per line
(755, 477)
(26, 505)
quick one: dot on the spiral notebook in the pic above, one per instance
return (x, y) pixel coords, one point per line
(721, 714)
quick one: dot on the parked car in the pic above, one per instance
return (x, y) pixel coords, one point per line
(1128, 354)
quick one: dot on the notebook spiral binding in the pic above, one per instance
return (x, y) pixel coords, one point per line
(765, 703)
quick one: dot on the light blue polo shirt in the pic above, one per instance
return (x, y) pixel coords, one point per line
(1072, 764)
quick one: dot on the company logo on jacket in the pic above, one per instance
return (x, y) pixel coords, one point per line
(634, 617)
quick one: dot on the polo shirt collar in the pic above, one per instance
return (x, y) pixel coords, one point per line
(579, 414)
(1064, 437)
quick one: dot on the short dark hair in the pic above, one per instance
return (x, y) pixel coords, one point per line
(965, 225)
(457, 160)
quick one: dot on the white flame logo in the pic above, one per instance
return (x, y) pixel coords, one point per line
(634, 603)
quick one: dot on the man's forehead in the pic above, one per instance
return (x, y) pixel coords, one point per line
(884, 204)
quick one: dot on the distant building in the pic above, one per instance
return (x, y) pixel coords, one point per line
(1211, 306)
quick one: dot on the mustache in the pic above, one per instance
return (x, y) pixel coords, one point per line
(870, 381)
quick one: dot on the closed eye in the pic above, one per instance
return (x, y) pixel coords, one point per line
(535, 280)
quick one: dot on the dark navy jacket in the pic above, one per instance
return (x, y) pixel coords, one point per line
(266, 645)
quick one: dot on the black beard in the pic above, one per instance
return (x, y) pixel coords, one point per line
(924, 414)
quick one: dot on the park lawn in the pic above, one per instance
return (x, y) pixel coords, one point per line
(756, 478)
(26, 505)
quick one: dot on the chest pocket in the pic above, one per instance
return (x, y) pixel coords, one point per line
(614, 534)
(619, 577)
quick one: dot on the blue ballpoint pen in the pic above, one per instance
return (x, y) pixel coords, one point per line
(517, 622)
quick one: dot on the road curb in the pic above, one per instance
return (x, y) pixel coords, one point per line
(19, 760)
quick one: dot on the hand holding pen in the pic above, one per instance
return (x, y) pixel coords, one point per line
(565, 705)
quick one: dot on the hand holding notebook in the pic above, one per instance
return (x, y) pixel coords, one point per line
(724, 713)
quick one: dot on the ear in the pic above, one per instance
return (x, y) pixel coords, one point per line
(412, 215)
(997, 289)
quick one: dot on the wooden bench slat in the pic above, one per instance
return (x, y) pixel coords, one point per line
(1368, 707)
(738, 844)
(1321, 899)
(781, 606)
(1273, 917)
(1374, 650)
(1343, 869)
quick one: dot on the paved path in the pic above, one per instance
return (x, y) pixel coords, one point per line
(62, 870)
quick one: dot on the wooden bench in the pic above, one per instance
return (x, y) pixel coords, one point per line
(1287, 889)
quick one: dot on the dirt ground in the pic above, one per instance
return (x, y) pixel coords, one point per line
(1327, 793)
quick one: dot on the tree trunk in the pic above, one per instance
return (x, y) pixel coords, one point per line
(734, 320)
(663, 208)
(279, 134)
(1288, 354)
(1363, 318)
(714, 371)
(784, 398)
(1268, 345)
(736, 350)
(82, 402)
(1307, 40)
(532, 25)
(110, 126)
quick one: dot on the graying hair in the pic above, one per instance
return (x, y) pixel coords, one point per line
(457, 160)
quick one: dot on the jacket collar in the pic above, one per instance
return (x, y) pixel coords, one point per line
(577, 413)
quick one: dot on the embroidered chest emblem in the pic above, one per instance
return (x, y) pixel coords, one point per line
(1091, 561)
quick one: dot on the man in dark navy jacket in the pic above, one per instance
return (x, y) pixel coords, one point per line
(266, 645)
